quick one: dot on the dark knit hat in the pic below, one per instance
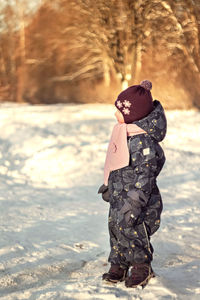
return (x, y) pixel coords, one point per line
(135, 102)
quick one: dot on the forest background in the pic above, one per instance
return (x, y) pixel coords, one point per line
(85, 51)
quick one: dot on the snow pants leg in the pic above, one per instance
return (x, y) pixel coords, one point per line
(130, 242)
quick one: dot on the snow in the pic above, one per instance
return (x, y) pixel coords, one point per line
(53, 226)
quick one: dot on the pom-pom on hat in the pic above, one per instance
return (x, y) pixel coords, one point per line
(135, 102)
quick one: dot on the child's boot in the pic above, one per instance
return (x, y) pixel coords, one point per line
(140, 274)
(115, 274)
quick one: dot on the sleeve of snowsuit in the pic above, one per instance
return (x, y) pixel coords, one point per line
(144, 164)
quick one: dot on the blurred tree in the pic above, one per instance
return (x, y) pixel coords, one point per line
(15, 15)
(87, 51)
(21, 70)
(7, 54)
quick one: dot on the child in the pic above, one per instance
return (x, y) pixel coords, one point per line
(134, 160)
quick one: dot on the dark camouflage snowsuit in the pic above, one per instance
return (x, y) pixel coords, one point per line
(135, 200)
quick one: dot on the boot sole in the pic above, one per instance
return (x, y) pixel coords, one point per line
(115, 281)
(143, 283)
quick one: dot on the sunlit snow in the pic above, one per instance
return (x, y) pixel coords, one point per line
(54, 240)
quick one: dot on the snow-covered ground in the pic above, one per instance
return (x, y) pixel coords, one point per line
(53, 226)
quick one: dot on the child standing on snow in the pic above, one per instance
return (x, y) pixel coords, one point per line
(134, 160)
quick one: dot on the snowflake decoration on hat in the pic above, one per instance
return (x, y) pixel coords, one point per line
(126, 111)
(127, 103)
(119, 104)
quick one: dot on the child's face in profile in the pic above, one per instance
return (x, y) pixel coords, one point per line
(119, 116)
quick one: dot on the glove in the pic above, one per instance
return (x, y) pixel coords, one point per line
(104, 191)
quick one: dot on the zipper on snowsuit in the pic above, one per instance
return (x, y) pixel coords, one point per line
(147, 238)
(129, 147)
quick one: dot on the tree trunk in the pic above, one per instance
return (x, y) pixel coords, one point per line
(21, 71)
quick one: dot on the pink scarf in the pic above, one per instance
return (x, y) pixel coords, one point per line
(118, 155)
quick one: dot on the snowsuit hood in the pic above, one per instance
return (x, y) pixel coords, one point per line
(155, 124)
